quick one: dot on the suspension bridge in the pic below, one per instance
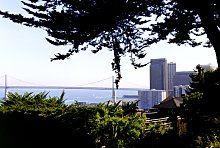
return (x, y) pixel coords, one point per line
(7, 86)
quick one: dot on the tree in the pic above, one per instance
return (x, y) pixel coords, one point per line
(201, 110)
(123, 26)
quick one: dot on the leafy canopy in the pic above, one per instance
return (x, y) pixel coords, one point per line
(122, 26)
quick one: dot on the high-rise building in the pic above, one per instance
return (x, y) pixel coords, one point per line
(171, 73)
(159, 74)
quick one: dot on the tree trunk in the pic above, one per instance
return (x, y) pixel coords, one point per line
(211, 28)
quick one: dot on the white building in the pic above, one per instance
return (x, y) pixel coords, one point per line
(180, 90)
(149, 98)
(208, 67)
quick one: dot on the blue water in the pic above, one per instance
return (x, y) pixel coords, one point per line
(80, 95)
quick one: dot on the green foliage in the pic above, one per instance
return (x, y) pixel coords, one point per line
(207, 83)
(33, 104)
(192, 104)
(112, 128)
(159, 135)
(200, 109)
(118, 131)
(202, 80)
(158, 128)
(31, 120)
(130, 107)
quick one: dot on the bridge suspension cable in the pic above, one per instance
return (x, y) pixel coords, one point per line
(95, 81)
(22, 81)
(2, 79)
(135, 84)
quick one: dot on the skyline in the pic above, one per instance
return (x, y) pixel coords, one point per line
(25, 55)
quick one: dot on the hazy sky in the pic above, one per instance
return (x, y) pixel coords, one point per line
(25, 56)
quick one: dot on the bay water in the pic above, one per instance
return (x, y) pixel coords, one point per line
(80, 95)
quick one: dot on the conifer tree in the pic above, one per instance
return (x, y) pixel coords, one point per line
(123, 26)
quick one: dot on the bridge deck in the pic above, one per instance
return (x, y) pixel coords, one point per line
(66, 87)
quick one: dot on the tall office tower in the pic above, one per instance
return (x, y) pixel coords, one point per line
(159, 74)
(171, 73)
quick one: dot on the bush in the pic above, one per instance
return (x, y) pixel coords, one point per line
(38, 121)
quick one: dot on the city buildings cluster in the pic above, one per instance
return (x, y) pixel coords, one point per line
(165, 81)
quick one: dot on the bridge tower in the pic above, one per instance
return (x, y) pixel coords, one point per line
(5, 86)
(113, 90)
